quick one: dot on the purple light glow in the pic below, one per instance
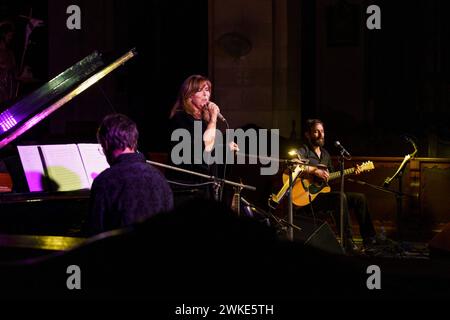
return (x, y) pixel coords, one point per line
(94, 175)
(7, 121)
(35, 181)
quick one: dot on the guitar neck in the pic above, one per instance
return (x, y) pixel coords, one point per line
(337, 174)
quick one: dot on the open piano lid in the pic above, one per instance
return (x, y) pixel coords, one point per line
(36, 106)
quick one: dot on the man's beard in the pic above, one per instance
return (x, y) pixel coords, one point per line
(318, 142)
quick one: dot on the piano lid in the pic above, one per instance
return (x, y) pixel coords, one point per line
(39, 104)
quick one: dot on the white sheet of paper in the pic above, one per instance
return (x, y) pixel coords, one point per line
(32, 165)
(65, 167)
(94, 160)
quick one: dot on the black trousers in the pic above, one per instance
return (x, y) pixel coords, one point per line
(357, 201)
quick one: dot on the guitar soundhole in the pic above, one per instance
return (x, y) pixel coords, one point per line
(314, 188)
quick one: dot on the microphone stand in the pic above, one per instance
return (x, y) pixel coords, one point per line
(398, 195)
(290, 164)
(216, 180)
(290, 208)
(342, 198)
(269, 215)
(290, 223)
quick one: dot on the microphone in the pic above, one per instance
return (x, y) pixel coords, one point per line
(219, 115)
(343, 151)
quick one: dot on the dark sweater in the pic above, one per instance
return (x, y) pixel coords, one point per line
(128, 192)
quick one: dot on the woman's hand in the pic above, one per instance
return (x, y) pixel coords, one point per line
(233, 146)
(213, 110)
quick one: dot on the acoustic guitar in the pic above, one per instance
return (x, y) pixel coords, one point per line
(306, 190)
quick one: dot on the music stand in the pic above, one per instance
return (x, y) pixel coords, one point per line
(399, 194)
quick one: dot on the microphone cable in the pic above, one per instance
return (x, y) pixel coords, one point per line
(222, 186)
(225, 164)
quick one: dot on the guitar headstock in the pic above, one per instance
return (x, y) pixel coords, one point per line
(365, 166)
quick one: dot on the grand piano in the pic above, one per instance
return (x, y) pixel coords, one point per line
(45, 213)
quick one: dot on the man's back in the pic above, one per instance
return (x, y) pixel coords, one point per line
(128, 192)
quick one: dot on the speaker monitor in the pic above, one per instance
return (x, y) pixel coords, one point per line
(317, 234)
(440, 244)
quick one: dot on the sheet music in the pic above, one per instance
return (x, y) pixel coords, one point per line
(62, 167)
(94, 161)
(32, 165)
(65, 167)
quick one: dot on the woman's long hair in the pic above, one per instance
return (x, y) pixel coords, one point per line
(190, 86)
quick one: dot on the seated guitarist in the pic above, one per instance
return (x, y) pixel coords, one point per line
(313, 151)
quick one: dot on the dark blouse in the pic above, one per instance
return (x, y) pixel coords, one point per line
(183, 120)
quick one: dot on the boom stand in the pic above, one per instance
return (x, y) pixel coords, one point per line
(287, 189)
(290, 208)
(342, 198)
(217, 181)
(283, 224)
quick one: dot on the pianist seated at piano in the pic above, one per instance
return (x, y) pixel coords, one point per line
(130, 190)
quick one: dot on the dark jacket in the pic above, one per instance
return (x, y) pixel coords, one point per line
(128, 192)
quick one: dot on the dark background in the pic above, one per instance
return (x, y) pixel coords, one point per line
(405, 68)
(170, 39)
